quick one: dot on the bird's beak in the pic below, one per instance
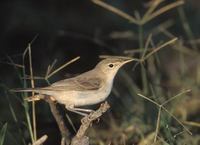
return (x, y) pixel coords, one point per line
(127, 60)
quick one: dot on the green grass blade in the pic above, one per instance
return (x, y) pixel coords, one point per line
(3, 133)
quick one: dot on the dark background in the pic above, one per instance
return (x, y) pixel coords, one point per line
(66, 29)
(69, 28)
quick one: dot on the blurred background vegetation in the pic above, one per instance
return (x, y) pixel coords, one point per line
(66, 29)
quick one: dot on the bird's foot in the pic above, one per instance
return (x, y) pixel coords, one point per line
(80, 111)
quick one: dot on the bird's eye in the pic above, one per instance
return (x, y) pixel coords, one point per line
(111, 65)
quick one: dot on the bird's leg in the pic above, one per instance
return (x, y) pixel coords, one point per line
(72, 109)
(84, 110)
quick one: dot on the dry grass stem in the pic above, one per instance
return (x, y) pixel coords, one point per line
(172, 98)
(157, 124)
(177, 120)
(149, 39)
(33, 86)
(152, 7)
(184, 49)
(116, 11)
(145, 57)
(162, 10)
(149, 15)
(161, 106)
(41, 140)
(60, 68)
(131, 52)
(186, 27)
(160, 47)
(191, 123)
(28, 77)
(12, 64)
(50, 67)
(33, 128)
(163, 27)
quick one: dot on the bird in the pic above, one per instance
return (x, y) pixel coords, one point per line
(89, 88)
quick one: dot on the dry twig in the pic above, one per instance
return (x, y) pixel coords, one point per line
(60, 121)
(80, 138)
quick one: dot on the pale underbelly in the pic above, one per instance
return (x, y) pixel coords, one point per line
(85, 98)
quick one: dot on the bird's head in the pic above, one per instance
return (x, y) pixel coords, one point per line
(111, 64)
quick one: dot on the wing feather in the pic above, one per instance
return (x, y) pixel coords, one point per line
(78, 84)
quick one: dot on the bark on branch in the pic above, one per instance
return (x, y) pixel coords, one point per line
(60, 122)
(80, 138)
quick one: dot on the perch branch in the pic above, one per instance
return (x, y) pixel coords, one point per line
(59, 120)
(80, 138)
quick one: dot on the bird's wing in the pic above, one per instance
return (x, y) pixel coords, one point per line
(93, 83)
(78, 84)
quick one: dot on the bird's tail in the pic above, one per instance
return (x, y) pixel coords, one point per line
(41, 93)
(31, 98)
(37, 90)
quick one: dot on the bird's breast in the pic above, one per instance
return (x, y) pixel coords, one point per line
(94, 96)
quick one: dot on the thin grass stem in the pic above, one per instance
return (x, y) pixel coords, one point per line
(186, 27)
(115, 11)
(153, 6)
(26, 107)
(162, 107)
(157, 125)
(161, 46)
(149, 38)
(177, 120)
(191, 123)
(33, 86)
(150, 100)
(61, 67)
(162, 10)
(172, 98)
